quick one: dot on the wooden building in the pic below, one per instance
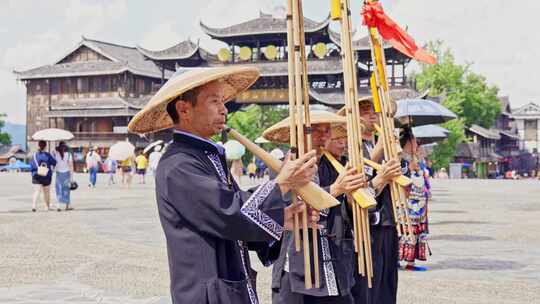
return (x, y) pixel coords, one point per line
(262, 42)
(92, 91)
(10, 153)
(527, 119)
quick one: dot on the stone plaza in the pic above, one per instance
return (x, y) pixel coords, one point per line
(485, 239)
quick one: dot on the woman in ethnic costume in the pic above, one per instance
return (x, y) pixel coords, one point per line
(412, 248)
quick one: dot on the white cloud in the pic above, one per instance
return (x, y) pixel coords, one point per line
(497, 35)
(92, 17)
(162, 35)
(23, 54)
(12, 95)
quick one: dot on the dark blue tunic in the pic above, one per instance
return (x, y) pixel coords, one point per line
(209, 224)
(336, 256)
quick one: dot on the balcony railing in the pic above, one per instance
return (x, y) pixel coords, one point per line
(99, 136)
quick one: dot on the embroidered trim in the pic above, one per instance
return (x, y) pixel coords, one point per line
(324, 212)
(372, 191)
(252, 211)
(252, 294)
(214, 158)
(329, 274)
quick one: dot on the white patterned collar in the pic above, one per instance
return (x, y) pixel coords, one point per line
(218, 147)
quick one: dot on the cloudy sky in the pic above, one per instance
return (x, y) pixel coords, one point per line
(498, 36)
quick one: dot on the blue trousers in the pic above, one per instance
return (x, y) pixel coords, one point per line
(93, 176)
(62, 187)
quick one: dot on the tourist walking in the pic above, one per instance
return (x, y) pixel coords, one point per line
(142, 164)
(41, 168)
(252, 170)
(64, 175)
(111, 166)
(93, 159)
(126, 169)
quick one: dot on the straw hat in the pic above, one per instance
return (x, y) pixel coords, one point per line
(369, 99)
(154, 117)
(279, 133)
(339, 131)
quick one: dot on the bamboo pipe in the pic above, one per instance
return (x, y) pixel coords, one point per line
(402, 180)
(310, 193)
(309, 144)
(396, 148)
(292, 110)
(385, 130)
(360, 196)
(381, 95)
(300, 119)
(364, 213)
(361, 221)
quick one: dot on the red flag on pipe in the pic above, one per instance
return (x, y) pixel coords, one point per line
(373, 16)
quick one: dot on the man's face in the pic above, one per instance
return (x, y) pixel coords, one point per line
(367, 113)
(337, 146)
(320, 135)
(208, 116)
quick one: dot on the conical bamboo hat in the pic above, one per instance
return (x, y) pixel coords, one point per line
(154, 117)
(279, 133)
(369, 98)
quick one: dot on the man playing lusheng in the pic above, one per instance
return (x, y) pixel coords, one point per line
(384, 237)
(208, 221)
(336, 249)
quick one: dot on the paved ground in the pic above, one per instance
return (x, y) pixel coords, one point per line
(485, 241)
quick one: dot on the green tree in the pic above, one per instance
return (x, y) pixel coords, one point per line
(5, 138)
(445, 151)
(465, 93)
(253, 120)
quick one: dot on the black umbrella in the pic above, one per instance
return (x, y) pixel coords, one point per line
(430, 133)
(419, 112)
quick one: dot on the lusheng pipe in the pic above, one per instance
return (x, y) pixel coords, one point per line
(310, 193)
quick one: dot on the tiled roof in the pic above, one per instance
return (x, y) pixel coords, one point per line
(122, 58)
(264, 24)
(8, 151)
(182, 50)
(486, 133)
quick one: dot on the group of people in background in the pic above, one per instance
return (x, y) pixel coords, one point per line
(60, 163)
(139, 165)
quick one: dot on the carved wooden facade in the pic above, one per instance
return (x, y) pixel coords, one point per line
(93, 91)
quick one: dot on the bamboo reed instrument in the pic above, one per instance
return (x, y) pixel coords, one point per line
(310, 193)
(402, 180)
(381, 104)
(300, 127)
(340, 10)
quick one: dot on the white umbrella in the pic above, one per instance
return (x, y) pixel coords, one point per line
(152, 145)
(122, 150)
(277, 153)
(52, 134)
(261, 140)
(234, 150)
